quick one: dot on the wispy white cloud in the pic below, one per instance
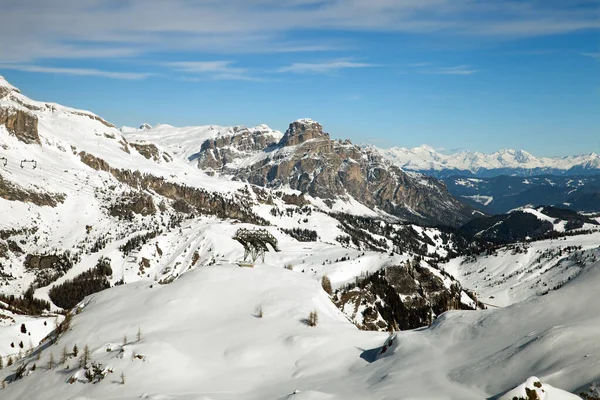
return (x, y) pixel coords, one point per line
(456, 70)
(326, 67)
(77, 71)
(34, 30)
(212, 70)
(592, 55)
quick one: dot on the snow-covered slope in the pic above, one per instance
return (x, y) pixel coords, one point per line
(202, 337)
(515, 272)
(185, 142)
(504, 162)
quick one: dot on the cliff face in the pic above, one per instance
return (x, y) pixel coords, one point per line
(306, 159)
(239, 143)
(18, 121)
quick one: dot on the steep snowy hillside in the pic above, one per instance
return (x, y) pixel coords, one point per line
(226, 143)
(515, 272)
(504, 162)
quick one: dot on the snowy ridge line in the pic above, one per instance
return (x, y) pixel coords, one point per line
(425, 158)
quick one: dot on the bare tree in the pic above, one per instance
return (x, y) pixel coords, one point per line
(326, 284)
(64, 356)
(85, 357)
(313, 318)
(51, 361)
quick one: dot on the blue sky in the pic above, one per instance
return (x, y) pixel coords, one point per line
(453, 74)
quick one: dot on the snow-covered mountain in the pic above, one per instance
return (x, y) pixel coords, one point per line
(307, 160)
(115, 242)
(504, 162)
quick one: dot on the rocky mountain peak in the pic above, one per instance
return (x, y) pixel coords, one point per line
(301, 131)
(6, 88)
(145, 127)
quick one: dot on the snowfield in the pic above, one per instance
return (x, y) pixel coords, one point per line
(202, 338)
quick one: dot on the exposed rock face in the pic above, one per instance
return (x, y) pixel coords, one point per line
(331, 169)
(138, 203)
(301, 131)
(21, 124)
(13, 192)
(199, 199)
(241, 142)
(94, 117)
(401, 297)
(151, 152)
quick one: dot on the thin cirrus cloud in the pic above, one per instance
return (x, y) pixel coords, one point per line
(145, 27)
(592, 55)
(211, 70)
(456, 70)
(327, 67)
(78, 71)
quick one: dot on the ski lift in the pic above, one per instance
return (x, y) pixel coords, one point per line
(29, 161)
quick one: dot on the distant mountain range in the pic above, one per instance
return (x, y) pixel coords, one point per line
(504, 162)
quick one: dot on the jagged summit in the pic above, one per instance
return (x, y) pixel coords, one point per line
(145, 126)
(6, 87)
(301, 131)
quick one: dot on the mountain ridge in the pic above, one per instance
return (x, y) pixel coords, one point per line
(427, 160)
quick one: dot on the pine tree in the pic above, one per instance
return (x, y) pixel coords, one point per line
(139, 334)
(75, 350)
(122, 378)
(124, 340)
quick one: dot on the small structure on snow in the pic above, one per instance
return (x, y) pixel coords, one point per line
(255, 244)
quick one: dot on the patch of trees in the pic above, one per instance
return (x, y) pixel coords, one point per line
(68, 294)
(136, 242)
(302, 235)
(25, 304)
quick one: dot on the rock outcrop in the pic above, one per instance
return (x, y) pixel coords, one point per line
(240, 142)
(13, 192)
(401, 297)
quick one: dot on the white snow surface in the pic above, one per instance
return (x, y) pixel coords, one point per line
(201, 339)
